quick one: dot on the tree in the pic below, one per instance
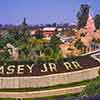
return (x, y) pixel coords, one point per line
(2, 42)
(48, 51)
(1, 27)
(55, 41)
(5, 55)
(97, 21)
(25, 34)
(37, 44)
(48, 25)
(39, 35)
(79, 45)
(54, 24)
(7, 38)
(82, 15)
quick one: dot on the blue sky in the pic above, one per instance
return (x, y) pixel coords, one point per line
(43, 11)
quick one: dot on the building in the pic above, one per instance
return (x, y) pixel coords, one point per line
(49, 31)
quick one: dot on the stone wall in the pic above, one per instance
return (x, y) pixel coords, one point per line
(48, 80)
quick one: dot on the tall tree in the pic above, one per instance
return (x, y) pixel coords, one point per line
(82, 15)
(24, 30)
(97, 21)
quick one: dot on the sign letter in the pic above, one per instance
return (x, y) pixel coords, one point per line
(1, 69)
(68, 65)
(30, 67)
(20, 69)
(10, 69)
(76, 64)
(52, 67)
(45, 68)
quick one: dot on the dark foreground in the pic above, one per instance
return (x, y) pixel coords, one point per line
(96, 97)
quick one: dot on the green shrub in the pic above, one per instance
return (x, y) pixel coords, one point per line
(4, 56)
(93, 87)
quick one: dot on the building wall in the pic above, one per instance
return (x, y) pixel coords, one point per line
(48, 80)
